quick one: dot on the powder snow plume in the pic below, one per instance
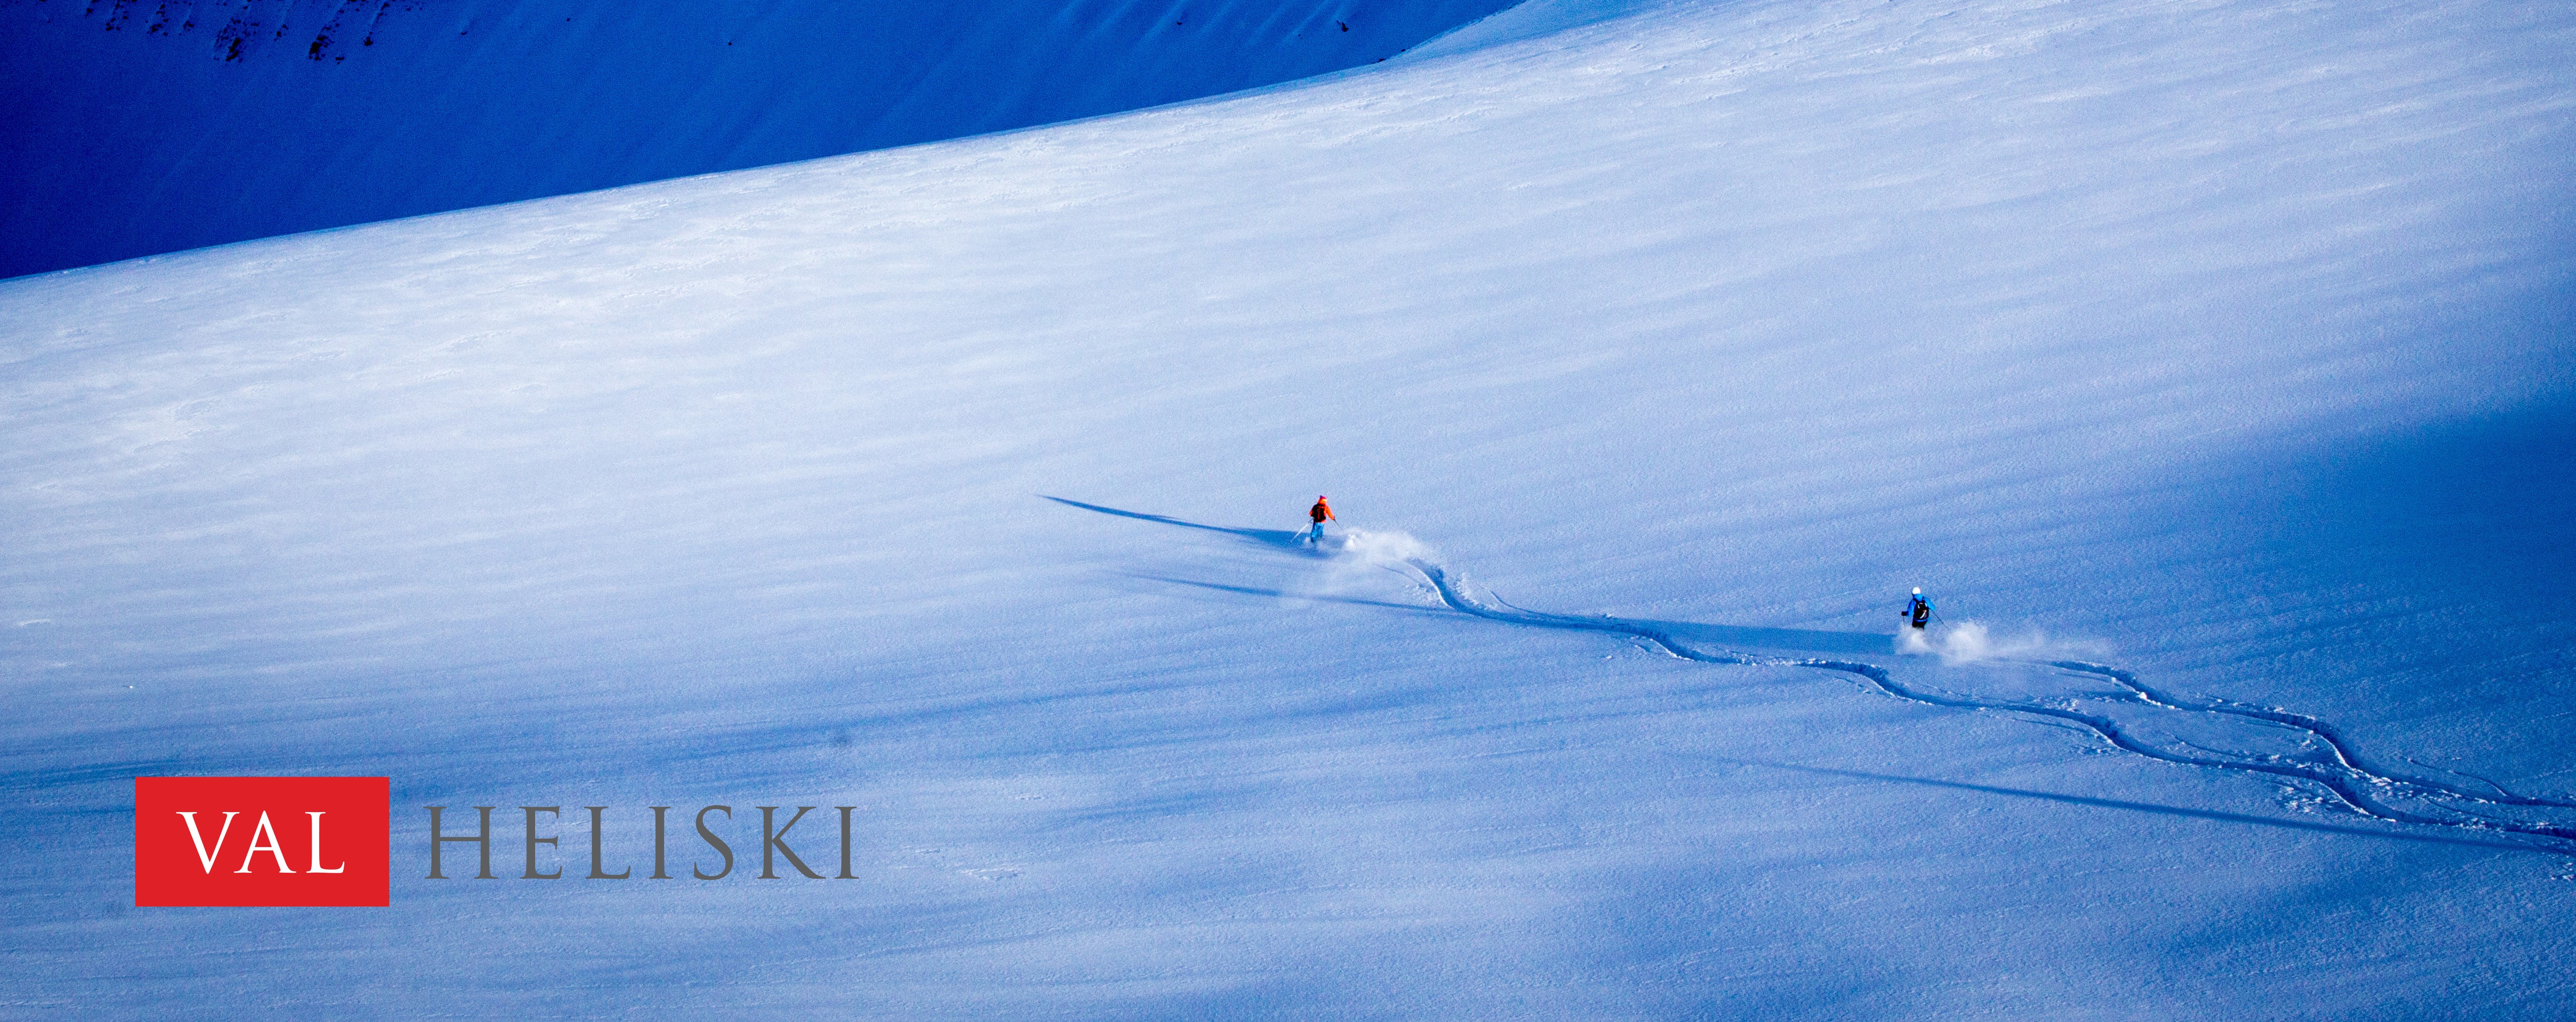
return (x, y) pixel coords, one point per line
(1381, 549)
(1970, 641)
(1357, 555)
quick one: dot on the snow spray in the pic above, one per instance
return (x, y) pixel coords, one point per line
(1970, 641)
(1355, 555)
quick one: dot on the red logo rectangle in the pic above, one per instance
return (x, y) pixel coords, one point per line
(303, 841)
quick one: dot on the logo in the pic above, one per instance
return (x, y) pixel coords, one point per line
(286, 841)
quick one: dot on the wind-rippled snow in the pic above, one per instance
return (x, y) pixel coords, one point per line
(2226, 342)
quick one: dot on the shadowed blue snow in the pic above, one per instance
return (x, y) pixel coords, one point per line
(2210, 359)
(136, 128)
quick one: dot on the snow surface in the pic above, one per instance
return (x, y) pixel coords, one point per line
(2219, 348)
(141, 127)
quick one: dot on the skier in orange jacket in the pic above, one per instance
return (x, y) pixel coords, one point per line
(1320, 513)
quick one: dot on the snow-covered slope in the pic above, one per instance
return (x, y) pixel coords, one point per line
(2222, 344)
(139, 127)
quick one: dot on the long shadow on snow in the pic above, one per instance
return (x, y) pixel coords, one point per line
(1409, 608)
(2352, 779)
(1802, 640)
(1285, 539)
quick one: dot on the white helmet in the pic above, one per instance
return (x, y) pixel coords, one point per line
(1918, 590)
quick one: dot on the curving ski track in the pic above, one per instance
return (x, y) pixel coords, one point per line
(2358, 784)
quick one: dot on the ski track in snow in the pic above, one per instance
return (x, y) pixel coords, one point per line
(2365, 788)
(2359, 783)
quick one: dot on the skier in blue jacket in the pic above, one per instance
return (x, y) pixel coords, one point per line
(1918, 611)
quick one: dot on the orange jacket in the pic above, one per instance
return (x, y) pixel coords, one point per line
(1321, 512)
